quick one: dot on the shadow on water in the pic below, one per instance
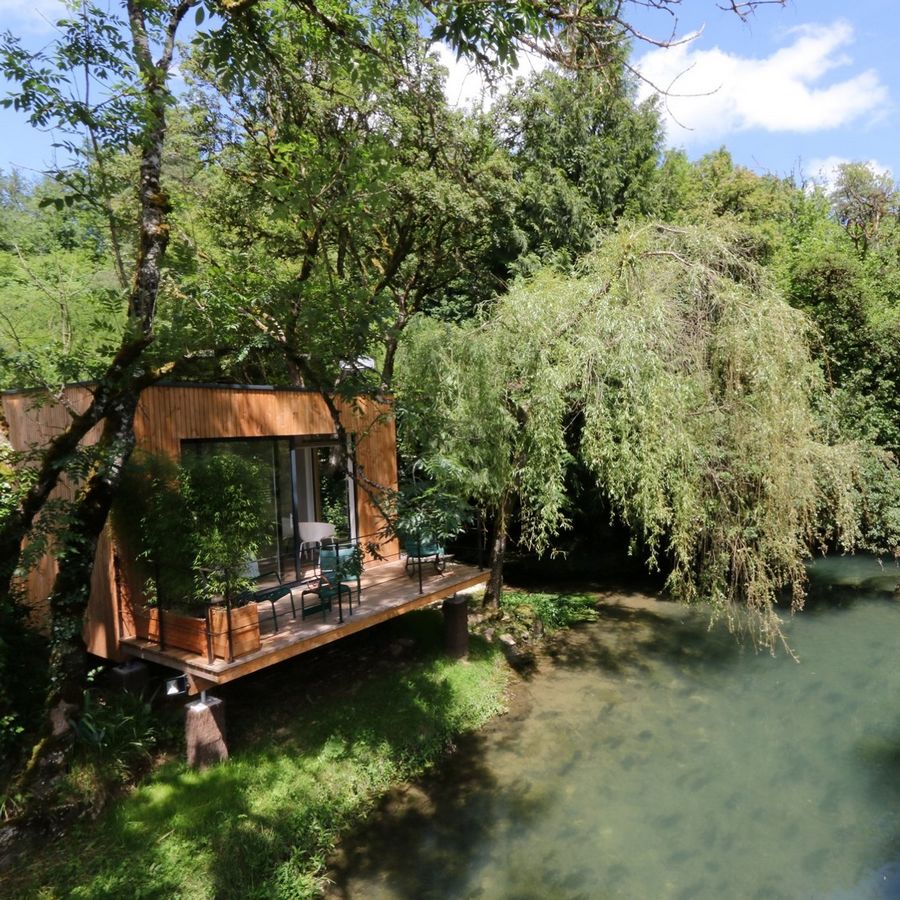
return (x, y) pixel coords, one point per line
(635, 640)
(426, 840)
(463, 795)
(649, 754)
(843, 582)
(879, 756)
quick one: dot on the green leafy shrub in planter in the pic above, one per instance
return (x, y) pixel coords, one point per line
(226, 496)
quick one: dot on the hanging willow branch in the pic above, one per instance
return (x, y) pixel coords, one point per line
(693, 386)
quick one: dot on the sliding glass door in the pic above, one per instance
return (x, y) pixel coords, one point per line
(304, 482)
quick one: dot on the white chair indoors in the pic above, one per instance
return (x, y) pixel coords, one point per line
(313, 535)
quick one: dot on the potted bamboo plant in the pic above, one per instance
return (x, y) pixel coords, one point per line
(191, 530)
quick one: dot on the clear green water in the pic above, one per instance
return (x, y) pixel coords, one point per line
(651, 757)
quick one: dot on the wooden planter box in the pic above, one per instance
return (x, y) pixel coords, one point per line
(184, 632)
(179, 631)
(244, 630)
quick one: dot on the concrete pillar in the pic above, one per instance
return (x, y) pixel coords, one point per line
(456, 626)
(132, 676)
(204, 731)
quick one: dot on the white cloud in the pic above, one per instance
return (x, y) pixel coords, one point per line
(713, 93)
(24, 17)
(824, 171)
(466, 87)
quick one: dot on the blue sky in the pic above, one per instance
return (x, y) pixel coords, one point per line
(797, 89)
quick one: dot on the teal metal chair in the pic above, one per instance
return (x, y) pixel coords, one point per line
(423, 548)
(345, 560)
(268, 595)
(328, 586)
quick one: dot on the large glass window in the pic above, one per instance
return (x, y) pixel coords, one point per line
(305, 482)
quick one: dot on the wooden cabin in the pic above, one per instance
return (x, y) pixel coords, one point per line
(289, 431)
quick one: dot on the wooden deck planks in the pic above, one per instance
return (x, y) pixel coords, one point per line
(387, 592)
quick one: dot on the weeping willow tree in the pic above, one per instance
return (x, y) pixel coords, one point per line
(684, 382)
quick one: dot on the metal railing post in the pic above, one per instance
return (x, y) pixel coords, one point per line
(159, 607)
(210, 656)
(481, 534)
(419, 550)
(228, 619)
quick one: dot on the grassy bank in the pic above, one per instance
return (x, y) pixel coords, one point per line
(313, 747)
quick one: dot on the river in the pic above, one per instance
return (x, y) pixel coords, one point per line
(649, 756)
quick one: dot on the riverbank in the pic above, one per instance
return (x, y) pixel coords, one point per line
(314, 747)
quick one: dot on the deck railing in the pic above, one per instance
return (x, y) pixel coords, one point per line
(223, 632)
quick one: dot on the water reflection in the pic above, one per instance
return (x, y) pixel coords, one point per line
(651, 756)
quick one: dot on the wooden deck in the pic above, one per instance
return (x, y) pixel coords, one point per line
(387, 591)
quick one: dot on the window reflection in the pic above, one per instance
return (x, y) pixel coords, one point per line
(305, 482)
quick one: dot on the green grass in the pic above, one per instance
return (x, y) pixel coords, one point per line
(308, 764)
(555, 611)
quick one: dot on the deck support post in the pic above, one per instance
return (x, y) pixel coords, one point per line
(132, 676)
(204, 732)
(456, 626)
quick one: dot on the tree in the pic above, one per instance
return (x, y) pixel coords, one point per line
(584, 154)
(691, 388)
(851, 294)
(106, 85)
(346, 200)
(862, 199)
(129, 61)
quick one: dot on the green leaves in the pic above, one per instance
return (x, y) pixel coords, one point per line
(672, 368)
(193, 527)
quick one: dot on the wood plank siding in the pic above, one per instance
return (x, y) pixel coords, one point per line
(169, 414)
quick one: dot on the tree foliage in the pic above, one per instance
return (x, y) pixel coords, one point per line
(584, 154)
(692, 389)
(346, 199)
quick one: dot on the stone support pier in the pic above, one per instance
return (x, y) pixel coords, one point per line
(204, 731)
(132, 676)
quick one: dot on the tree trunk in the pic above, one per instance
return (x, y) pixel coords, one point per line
(59, 452)
(390, 355)
(498, 551)
(115, 402)
(71, 591)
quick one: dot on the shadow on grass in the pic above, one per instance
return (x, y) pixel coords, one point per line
(313, 744)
